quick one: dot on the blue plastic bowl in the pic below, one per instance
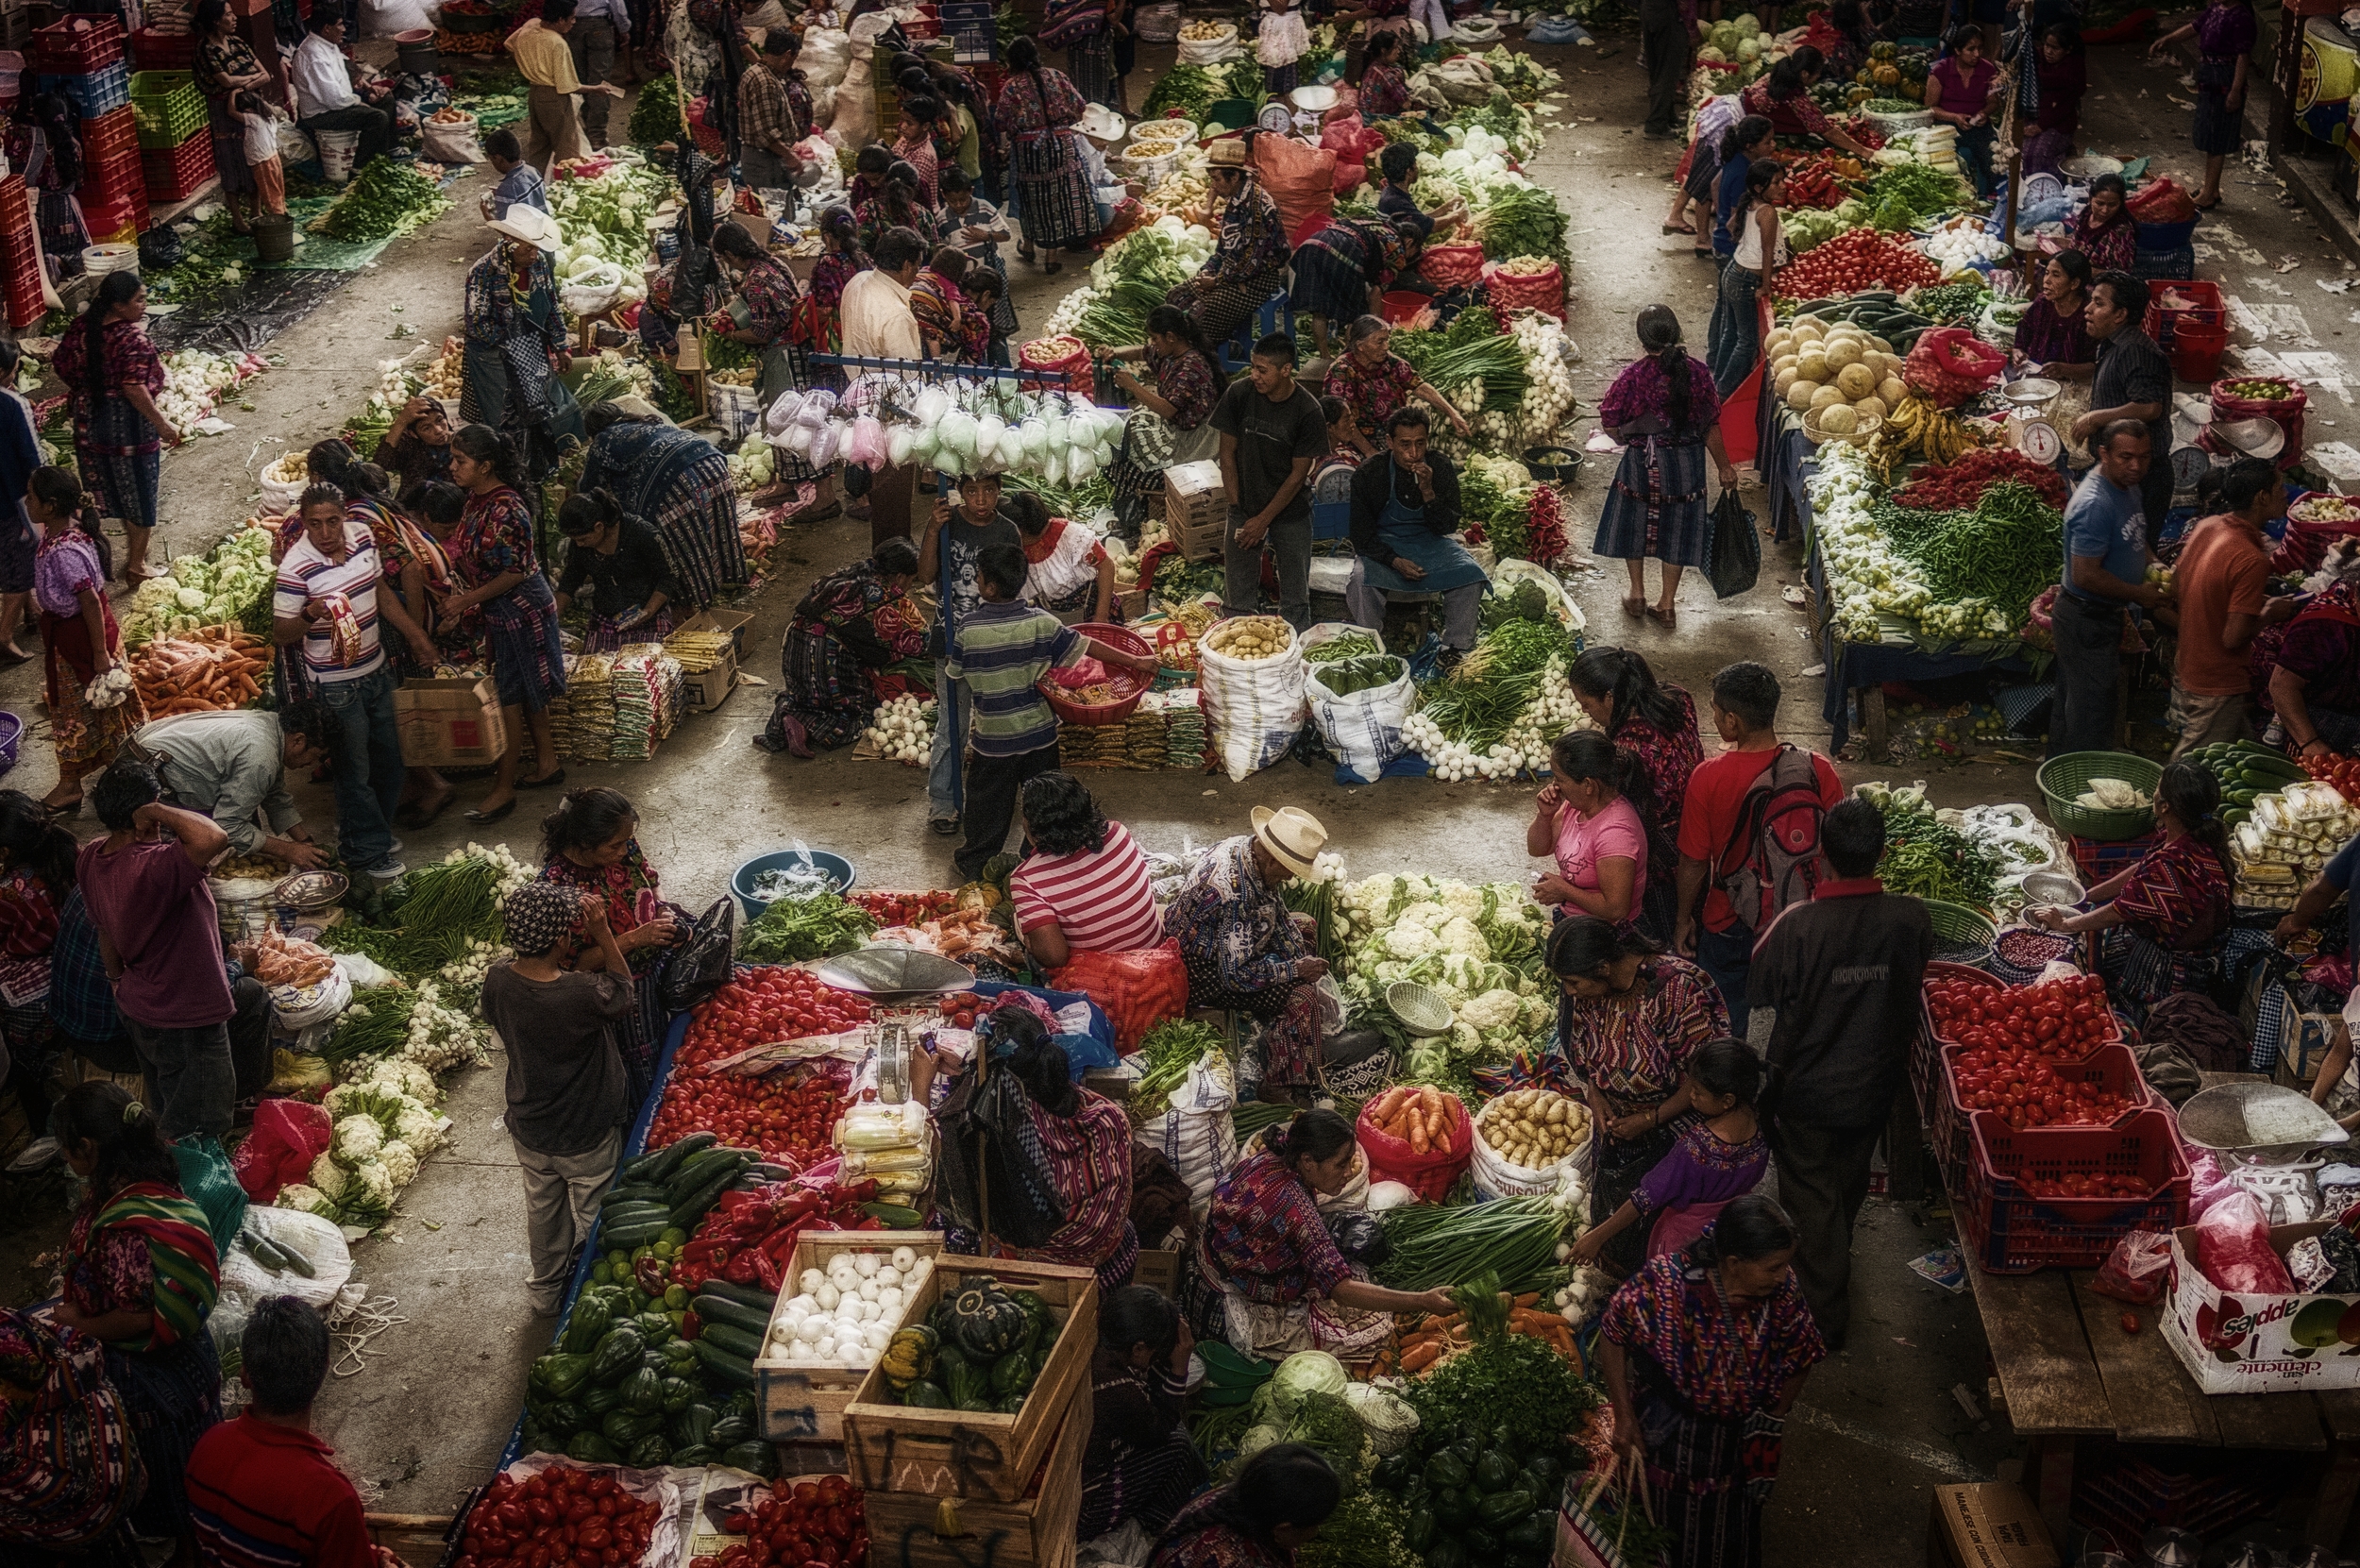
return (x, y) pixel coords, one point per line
(742, 881)
(2166, 236)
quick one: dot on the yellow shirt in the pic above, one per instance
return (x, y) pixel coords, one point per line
(544, 59)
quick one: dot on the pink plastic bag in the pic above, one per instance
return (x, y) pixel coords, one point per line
(2233, 1247)
(288, 1135)
(2207, 1182)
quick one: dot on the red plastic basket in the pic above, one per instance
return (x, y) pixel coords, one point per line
(1948, 1120)
(2098, 859)
(2008, 1231)
(115, 180)
(1122, 708)
(2207, 309)
(1924, 1052)
(76, 46)
(116, 131)
(117, 221)
(155, 50)
(178, 172)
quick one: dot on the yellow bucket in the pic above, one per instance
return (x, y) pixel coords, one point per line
(2331, 64)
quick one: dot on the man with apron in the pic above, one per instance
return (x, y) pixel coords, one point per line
(1405, 508)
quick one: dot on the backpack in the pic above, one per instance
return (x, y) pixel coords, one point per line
(1772, 857)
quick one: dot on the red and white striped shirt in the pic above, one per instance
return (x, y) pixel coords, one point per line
(1100, 900)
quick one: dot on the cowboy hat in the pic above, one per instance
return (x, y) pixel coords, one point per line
(1101, 124)
(1291, 835)
(1227, 153)
(527, 224)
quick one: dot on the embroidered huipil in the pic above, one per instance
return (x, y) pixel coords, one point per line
(1635, 1048)
(1721, 1364)
(1265, 1237)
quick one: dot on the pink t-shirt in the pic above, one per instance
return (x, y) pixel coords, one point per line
(1615, 834)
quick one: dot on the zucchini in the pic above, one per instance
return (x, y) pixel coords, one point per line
(895, 1216)
(734, 1369)
(293, 1257)
(734, 1340)
(692, 1209)
(632, 1192)
(635, 1211)
(659, 1167)
(259, 1248)
(745, 1295)
(715, 1311)
(638, 1233)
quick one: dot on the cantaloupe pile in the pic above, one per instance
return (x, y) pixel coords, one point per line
(1838, 374)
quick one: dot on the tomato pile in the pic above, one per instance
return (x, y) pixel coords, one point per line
(761, 1007)
(810, 1522)
(788, 1116)
(892, 909)
(2023, 1086)
(1854, 260)
(2090, 1183)
(559, 1518)
(2341, 772)
(2062, 1021)
(960, 1009)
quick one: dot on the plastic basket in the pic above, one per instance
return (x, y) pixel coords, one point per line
(116, 131)
(114, 182)
(2161, 323)
(11, 734)
(1958, 931)
(168, 108)
(1123, 707)
(2099, 859)
(158, 51)
(78, 45)
(93, 93)
(1949, 1117)
(2063, 778)
(177, 171)
(2008, 1231)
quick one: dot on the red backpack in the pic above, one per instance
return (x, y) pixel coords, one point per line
(1772, 857)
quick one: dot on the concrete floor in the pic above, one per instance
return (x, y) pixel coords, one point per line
(427, 1416)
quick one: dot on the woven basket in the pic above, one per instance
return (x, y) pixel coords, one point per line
(1421, 1010)
(2063, 778)
(1869, 424)
(1957, 929)
(1089, 713)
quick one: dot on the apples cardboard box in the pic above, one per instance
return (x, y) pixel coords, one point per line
(2248, 1344)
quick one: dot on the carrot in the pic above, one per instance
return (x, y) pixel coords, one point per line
(1417, 1360)
(1418, 1140)
(1530, 1298)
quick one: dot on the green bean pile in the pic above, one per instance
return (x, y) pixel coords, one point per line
(2006, 550)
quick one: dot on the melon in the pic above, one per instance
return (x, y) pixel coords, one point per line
(1842, 351)
(1880, 345)
(1838, 419)
(1780, 381)
(1892, 391)
(1828, 397)
(1776, 342)
(1857, 380)
(1809, 330)
(1785, 361)
(1870, 407)
(1800, 393)
(1813, 367)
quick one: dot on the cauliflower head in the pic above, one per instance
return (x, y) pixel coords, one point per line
(1461, 900)
(371, 1196)
(1409, 940)
(416, 1128)
(331, 1178)
(1464, 1039)
(1427, 915)
(1494, 1009)
(1462, 934)
(399, 1163)
(358, 1138)
(310, 1200)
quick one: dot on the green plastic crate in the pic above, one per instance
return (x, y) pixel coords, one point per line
(168, 107)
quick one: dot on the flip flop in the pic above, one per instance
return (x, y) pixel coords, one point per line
(1634, 607)
(1668, 620)
(1679, 229)
(2205, 206)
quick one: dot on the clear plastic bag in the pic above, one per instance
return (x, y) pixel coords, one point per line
(2136, 1269)
(2233, 1247)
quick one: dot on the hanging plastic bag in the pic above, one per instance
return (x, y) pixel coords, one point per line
(1735, 560)
(869, 442)
(701, 965)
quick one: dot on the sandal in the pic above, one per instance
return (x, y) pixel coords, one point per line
(1668, 620)
(497, 814)
(1634, 607)
(1679, 229)
(2205, 206)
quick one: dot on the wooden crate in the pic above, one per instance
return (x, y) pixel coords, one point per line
(806, 1404)
(1035, 1532)
(893, 1448)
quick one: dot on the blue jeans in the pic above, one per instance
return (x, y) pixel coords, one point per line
(942, 765)
(1727, 955)
(1733, 340)
(368, 765)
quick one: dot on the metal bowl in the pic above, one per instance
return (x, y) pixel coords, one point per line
(2031, 392)
(1315, 100)
(2052, 887)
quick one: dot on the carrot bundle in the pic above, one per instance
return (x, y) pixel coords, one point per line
(205, 670)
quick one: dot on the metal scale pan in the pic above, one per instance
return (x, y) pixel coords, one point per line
(900, 980)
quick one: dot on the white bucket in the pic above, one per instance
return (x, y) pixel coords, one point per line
(336, 150)
(100, 260)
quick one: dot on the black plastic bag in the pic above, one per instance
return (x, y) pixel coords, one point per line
(992, 1165)
(159, 248)
(1360, 1238)
(701, 965)
(1735, 559)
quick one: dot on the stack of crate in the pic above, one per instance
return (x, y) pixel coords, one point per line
(20, 255)
(888, 96)
(176, 142)
(82, 58)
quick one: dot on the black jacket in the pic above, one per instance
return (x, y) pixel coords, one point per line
(622, 581)
(1843, 969)
(1369, 499)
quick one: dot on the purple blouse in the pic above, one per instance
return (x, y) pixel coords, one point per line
(62, 569)
(1701, 1169)
(2225, 31)
(2046, 335)
(1643, 389)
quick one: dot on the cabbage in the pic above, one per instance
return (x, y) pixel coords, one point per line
(1255, 1439)
(1305, 1372)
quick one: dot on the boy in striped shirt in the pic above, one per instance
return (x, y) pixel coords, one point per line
(1001, 651)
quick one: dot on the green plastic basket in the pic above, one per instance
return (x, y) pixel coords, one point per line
(1961, 936)
(2063, 778)
(168, 108)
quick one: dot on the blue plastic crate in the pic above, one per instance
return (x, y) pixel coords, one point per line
(2176, 264)
(93, 94)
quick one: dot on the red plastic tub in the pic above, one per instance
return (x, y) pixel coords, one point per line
(2197, 350)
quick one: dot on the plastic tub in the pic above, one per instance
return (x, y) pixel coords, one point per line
(2166, 236)
(274, 239)
(2197, 348)
(742, 880)
(337, 148)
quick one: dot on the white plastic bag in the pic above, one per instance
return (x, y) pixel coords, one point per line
(854, 122)
(827, 54)
(384, 18)
(452, 141)
(298, 1007)
(319, 1241)
(1252, 707)
(278, 499)
(1362, 728)
(295, 146)
(1195, 1132)
(364, 973)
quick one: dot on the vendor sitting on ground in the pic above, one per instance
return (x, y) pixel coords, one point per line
(2165, 916)
(851, 628)
(1140, 1464)
(1373, 381)
(232, 767)
(621, 564)
(1405, 508)
(1277, 1503)
(2309, 670)
(1083, 886)
(1085, 1149)
(2336, 1087)
(1267, 1277)
(1243, 948)
(1720, 1155)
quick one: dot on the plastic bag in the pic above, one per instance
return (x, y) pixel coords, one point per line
(1195, 1133)
(450, 141)
(1254, 708)
(209, 1182)
(299, 1076)
(1734, 561)
(1301, 179)
(288, 1135)
(2233, 1247)
(320, 1242)
(2136, 1270)
(1430, 1174)
(1138, 989)
(701, 965)
(990, 1146)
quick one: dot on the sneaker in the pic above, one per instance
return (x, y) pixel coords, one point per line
(386, 869)
(394, 848)
(944, 825)
(39, 1155)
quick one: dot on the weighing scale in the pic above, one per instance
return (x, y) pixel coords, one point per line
(2270, 1134)
(902, 984)
(2028, 427)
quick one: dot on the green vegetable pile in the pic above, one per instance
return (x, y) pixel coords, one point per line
(381, 1027)
(792, 930)
(1915, 188)
(1472, 350)
(1950, 302)
(1166, 1053)
(1368, 1529)
(434, 913)
(1351, 645)
(1514, 1240)
(1925, 858)
(1523, 220)
(1190, 88)
(2004, 551)
(655, 118)
(384, 199)
(1513, 1384)
(1479, 702)
(1343, 677)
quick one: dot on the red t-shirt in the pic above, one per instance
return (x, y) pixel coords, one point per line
(268, 1497)
(2221, 571)
(1715, 792)
(151, 901)
(1101, 901)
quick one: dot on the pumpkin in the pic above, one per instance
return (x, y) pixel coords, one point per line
(986, 1321)
(1887, 75)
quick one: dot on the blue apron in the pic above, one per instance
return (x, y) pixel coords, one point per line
(1403, 532)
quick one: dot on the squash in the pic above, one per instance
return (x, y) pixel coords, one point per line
(926, 1396)
(642, 1392)
(909, 1356)
(588, 1325)
(969, 1388)
(1013, 1373)
(986, 1321)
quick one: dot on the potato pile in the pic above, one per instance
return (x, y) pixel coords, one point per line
(1533, 1128)
(1251, 638)
(1839, 372)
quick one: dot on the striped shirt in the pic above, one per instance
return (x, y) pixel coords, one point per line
(1002, 650)
(267, 1496)
(305, 575)
(1100, 899)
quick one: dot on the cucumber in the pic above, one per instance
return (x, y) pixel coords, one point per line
(659, 1165)
(627, 1237)
(259, 1247)
(698, 1172)
(716, 1311)
(744, 1295)
(632, 1192)
(730, 1338)
(294, 1258)
(623, 1214)
(895, 1216)
(692, 1209)
(721, 1363)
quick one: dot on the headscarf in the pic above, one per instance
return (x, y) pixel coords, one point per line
(540, 914)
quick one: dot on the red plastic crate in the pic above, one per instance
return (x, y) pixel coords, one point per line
(2209, 310)
(155, 50)
(116, 131)
(1948, 1120)
(179, 171)
(113, 179)
(1924, 1052)
(1961, 972)
(110, 220)
(2006, 1230)
(2099, 859)
(76, 45)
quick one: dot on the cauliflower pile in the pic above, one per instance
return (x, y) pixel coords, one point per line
(381, 1131)
(1479, 947)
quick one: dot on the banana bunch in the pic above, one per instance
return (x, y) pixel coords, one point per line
(1940, 434)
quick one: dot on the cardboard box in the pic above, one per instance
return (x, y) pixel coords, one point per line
(1196, 511)
(1990, 1525)
(450, 723)
(704, 690)
(2250, 1344)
